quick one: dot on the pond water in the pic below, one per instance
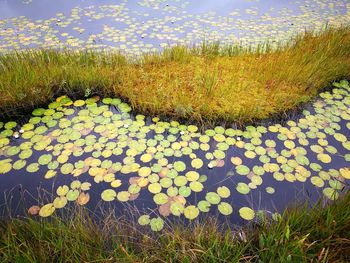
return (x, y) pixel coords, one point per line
(148, 25)
(96, 151)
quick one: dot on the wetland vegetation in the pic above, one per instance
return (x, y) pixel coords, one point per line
(226, 82)
(223, 151)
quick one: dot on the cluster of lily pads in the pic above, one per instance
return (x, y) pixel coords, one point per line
(151, 24)
(100, 141)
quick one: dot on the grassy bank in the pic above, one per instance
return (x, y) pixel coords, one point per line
(321, 234)
(211, 82)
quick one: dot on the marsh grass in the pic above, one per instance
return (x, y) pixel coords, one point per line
(206, 83)
(301, 234)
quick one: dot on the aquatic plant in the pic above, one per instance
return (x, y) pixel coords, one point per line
(300, 234)
(197, 83)
(171, 161)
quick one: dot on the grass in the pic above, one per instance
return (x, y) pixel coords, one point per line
(208, 83)
(319, 234)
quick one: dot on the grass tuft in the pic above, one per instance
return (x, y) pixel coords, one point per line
(209, 82)
(301, 234)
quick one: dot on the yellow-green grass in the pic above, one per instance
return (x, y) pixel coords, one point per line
(207, 83)
(320, 234)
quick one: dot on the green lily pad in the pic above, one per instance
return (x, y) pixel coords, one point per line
(72, 195)
(62, 190)
(157, 224)
(177, 208)
(270, 190)
(160, 198)
(191, 212)
(213, 198)
(246, 213)
(179, 166)
(123, 196)
(243, 188)
(196, 186)
(242, 169)
(60, 202)
(204, 206)
(108, 195)
(47, 210)
(223, 192)
(225, 208)
(144, 220)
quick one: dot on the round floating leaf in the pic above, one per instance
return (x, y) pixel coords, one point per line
(197, 163)
(160, 198)
(204, 206)
(154, 188)
(179, 166)
(62, 190)
(325, 158)
(19, 164)
(191, 212)
(144, 220)
(270, 190)
(85, 186)
(45, 159)
(242, 169)
(331, 193)
(157, 224)
(60, 202)
(67, 168)
(5, 167)
(246, 213)
(225, 208)
(184, 191)
(192, 176)
(34, 210)
(32, 168)
(340, 137)
(243, 188)
(145, 171)
(75, 184)
(223, 192)
(108, 195)
(47, 210)
(83, 198)
(123, 196)
(177, 208)
(72, 195)
(213, 198)
(345, 172)
(196, 186)
(317, 181)
(180, 180)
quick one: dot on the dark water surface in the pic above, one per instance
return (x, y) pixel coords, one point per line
(143, 25)
(263, 168)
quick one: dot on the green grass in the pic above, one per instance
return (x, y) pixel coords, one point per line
(211, 82)
(319, 234)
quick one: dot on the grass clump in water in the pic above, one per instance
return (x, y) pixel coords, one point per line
(210, 82)
(319, 234)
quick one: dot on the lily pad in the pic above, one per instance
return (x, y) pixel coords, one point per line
(156, 224)
(246, 213)
(191, 212)
(213, 198)
(47, 210)
(225, 208)
(108, 195)
(223, 192)
(144, 220)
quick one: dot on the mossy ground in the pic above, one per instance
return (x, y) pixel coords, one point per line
(208, 83)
